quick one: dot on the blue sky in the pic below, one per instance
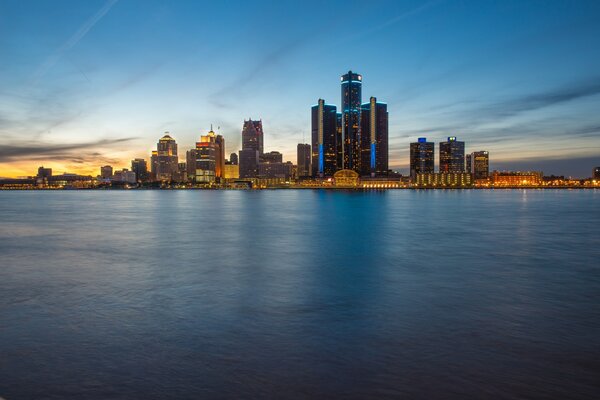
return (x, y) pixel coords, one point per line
(86, 83)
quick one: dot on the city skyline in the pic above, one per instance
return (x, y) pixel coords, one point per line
(75, 96)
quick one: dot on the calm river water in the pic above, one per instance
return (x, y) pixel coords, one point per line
(300, 294)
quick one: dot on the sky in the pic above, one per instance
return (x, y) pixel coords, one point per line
(96, 82)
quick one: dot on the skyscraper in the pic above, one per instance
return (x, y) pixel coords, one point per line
(421, 157)
(351, 126)
(248, 163)
(140, 168)
(303, 160)
(233, 159)
(374, 138)
(167, 160)
(452, 155)
(209, 160)
(478, 164)
(252, 136)
(339, 138)
(596, 173)
(324, 144)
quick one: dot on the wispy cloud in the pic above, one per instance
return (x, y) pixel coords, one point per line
(38, 151)
(72, 41)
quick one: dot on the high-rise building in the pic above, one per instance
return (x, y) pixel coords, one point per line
(167, 159)
(351, 126)
(233, 159)
(452, 155)
(478, 164)
(421, 157)
(339, 141)
(140, 168)
(374, 138)
(106, 172)
(153, 164)
(303, 160)
(271, 157)
(248, 167)
(252, 136)
(208, 158)
(324, 143)
(596, 173)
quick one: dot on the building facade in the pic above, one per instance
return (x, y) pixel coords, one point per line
(303, 158)
(166, 158)
(249, 160)
(253, 136)
(374, 138)
(443, 180)
(422, 156)
(351, 124)
(140, 169)
(478, 164)
(452, 156)
(324, 139)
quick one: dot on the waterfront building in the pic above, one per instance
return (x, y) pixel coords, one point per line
(421, 157)
(303, 160)
(346, 178)
(248, 163)
(44, 172)
(153, 164)
(324, 139)
(106, 172)
(596, 173)
(339, 141)
(208, 158)
(124, 176)
(351, 125)
(374, 138)
(252, 136)
(443, 180)
(275, 170)
(271, 157)
(478, 164)
(166, 158)
(452, 155)
(232, 171)
(518, 178)
(140, 168)
(233, 159)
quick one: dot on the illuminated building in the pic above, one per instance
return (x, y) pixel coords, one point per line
(233, 159)
(124, 176)
(252, 136)
(303, 160)
(106, 172)
(248, 163)
(324, 139)
(232, 171)
(443, 180)
(452, 155)
(339, 138)
(374, 138)
(44, 172)
(351, 126)
(346, 178)
(208, 158)
(153, 164)
(519, 178)
(268, 170)
(140, 168)
(596, 173)
(421, 157)
(166, 160)
(478, 164)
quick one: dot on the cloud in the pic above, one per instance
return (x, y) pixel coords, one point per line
(72, 41)
(37, 151)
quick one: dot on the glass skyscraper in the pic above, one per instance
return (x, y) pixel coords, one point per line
(351, 126)
(374, 138)
(421, 157)
(452, 155)
(252, 136)
(324, 139)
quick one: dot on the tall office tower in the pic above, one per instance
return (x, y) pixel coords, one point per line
(252, 136)
(248, 167)
(166, 158)
(339, 141)
(421, 157)
(596, 173)
(153, 164)
(140, 168)
(374, 138)
(324, 144)
(209, 158)
(351, 101)
(272, 157)
(233, 159)
(478, 164)
(452, 155)
(106, 172)
(303, 160)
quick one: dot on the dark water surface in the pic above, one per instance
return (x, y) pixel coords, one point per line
(300, 294)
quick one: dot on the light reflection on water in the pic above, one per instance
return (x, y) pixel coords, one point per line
(299, 294)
